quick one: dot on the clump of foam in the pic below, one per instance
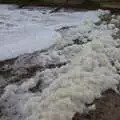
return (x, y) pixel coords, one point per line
(89, 73)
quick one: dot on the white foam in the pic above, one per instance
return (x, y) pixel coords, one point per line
(88, 75)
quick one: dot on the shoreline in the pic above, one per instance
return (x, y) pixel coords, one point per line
(81, 6)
